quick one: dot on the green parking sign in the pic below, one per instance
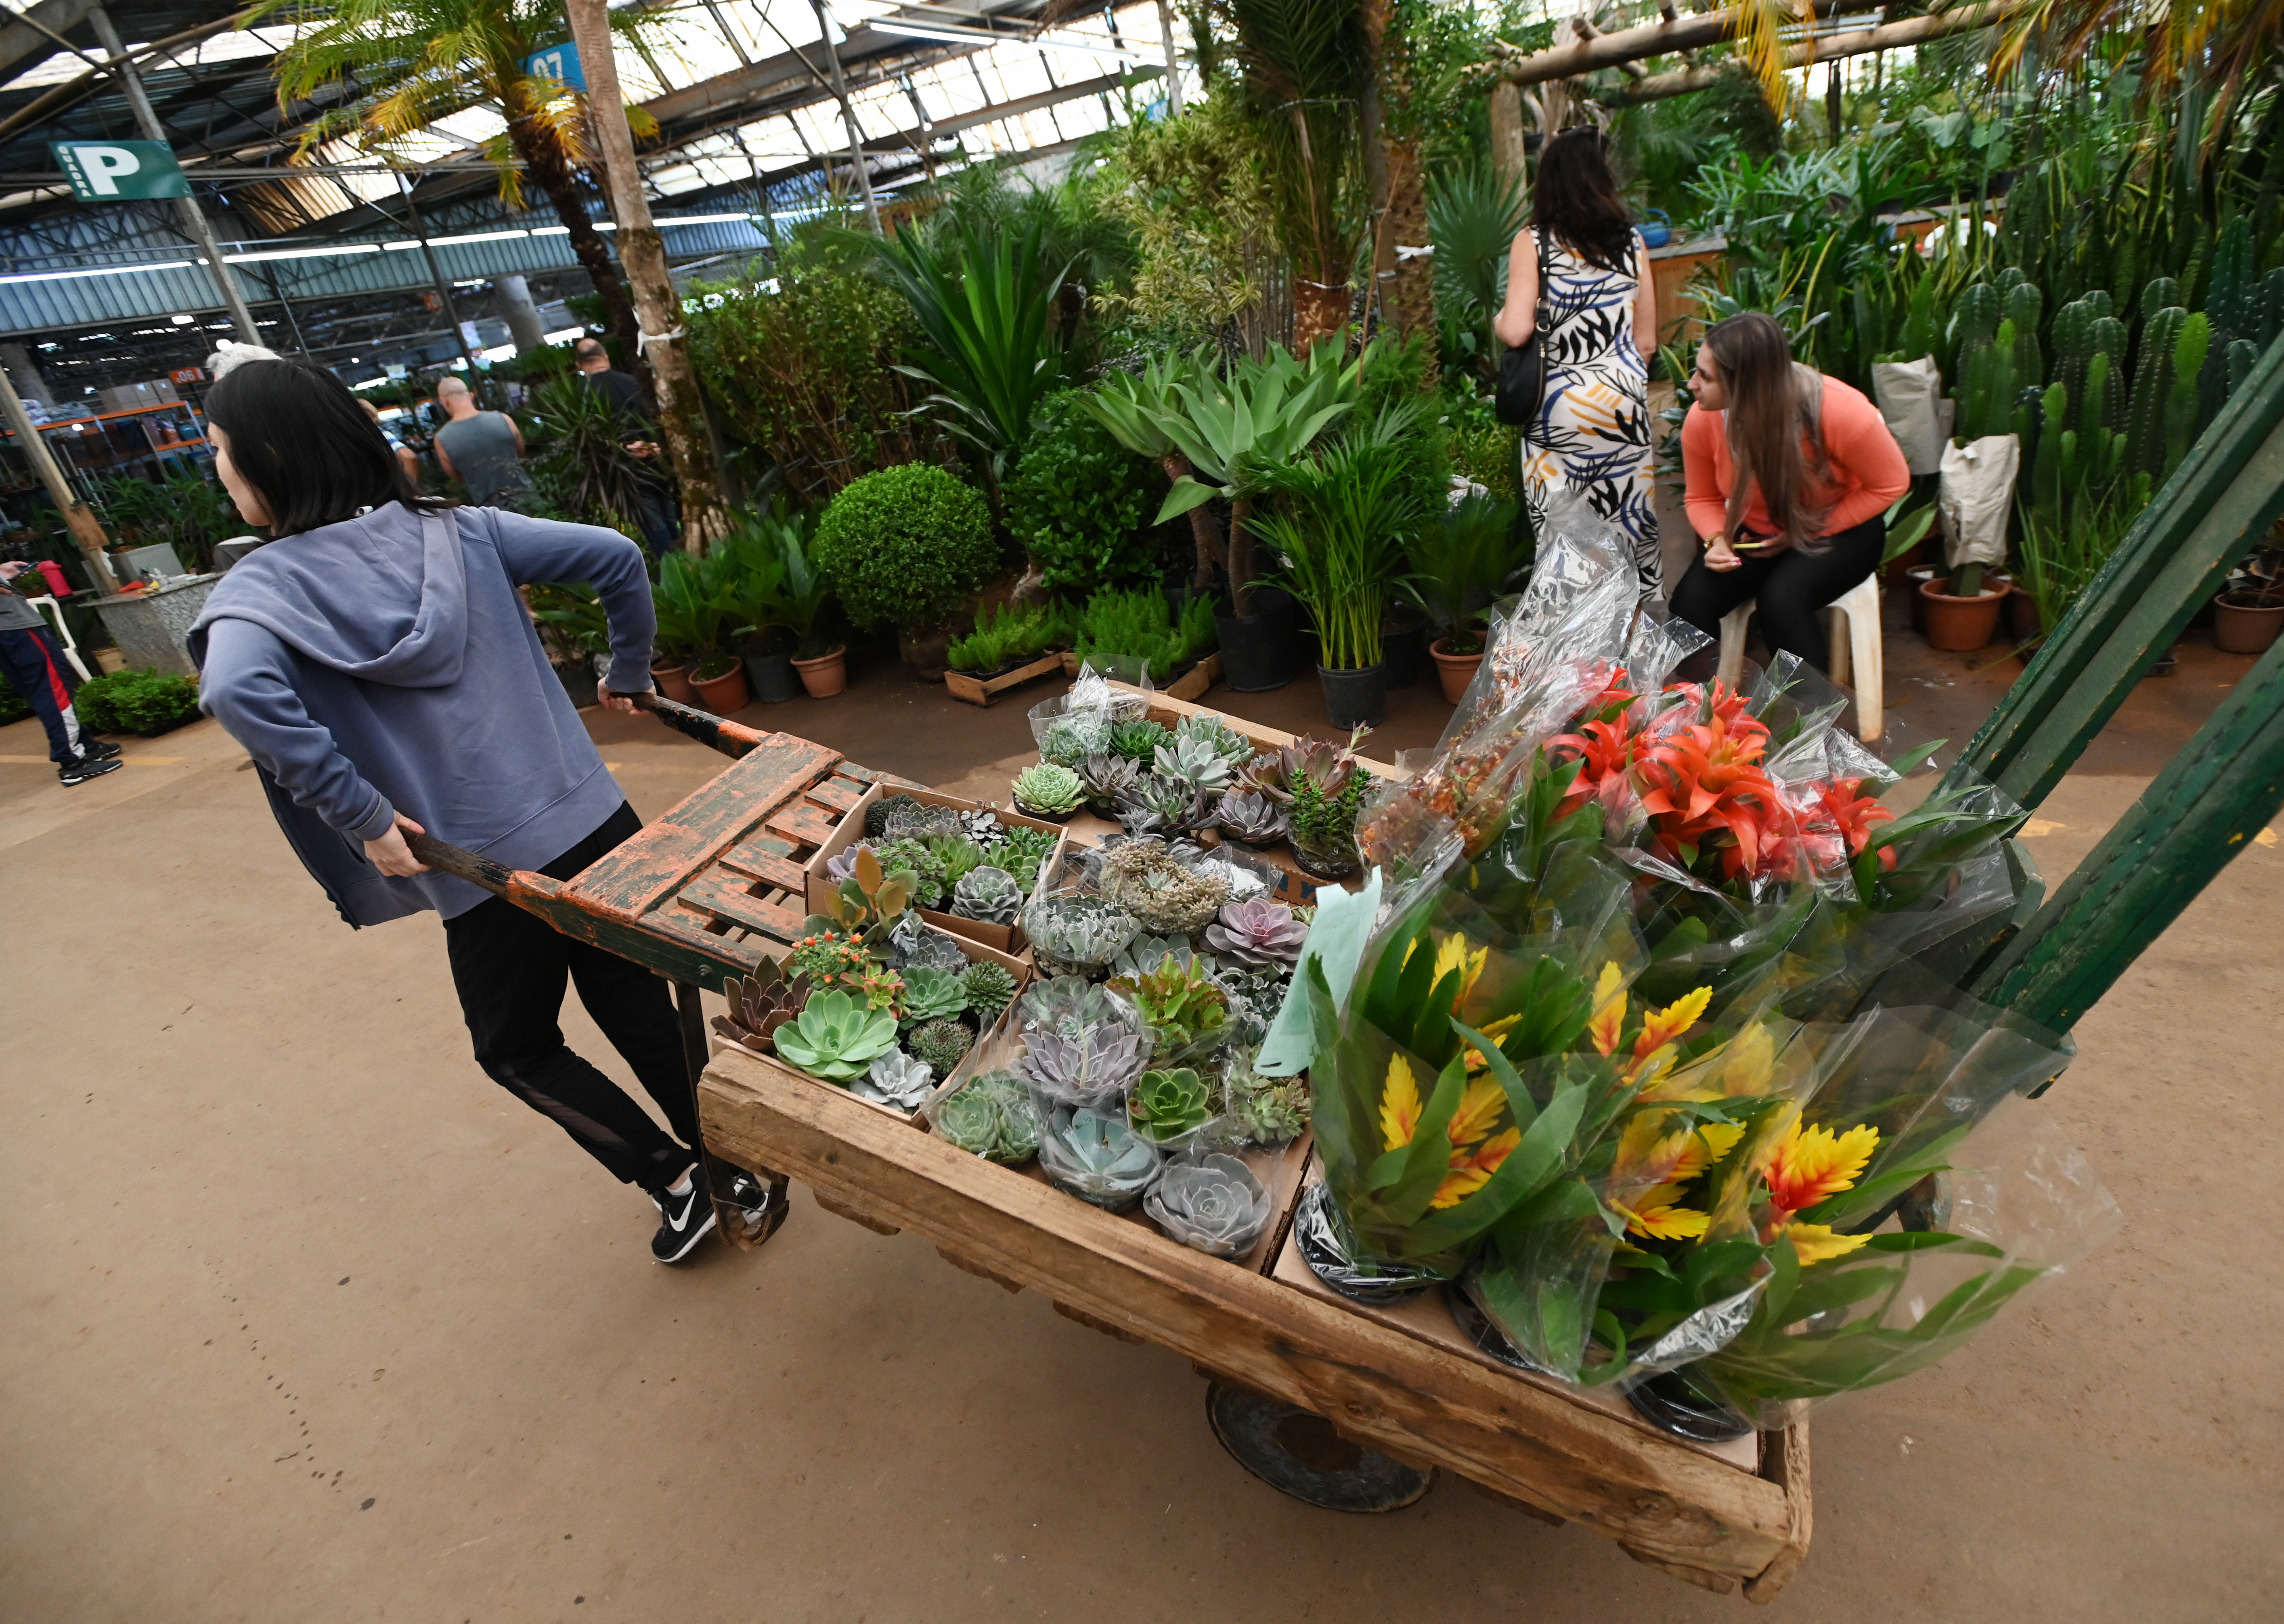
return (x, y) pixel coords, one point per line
(108, 171)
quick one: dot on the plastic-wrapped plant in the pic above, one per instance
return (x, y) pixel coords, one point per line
(1069, 740)
(897, 1081)
(1144, 879)
(942, 1043)
(933, 994)
(991, 1116)
(1107, 777)
(1020, 851)
(1137, 741)
(836, 1037)
(914, 944)
(823, 957)
(1095, 1156)
(1170, 1104)
(990, 989)
(988, 893)
(1270, 1111)
(758, 1008)
(1261, 987)
(1070, 1006)
(1213, 1203)
(1144, 954)
(1233, 748)
(1257, 933)
(1076, 934)
(1192, 763)
(1250, 816)
(1087, 1068)
(1181, 1004)
(1153, 805)
(1048, 790)
(877, 814)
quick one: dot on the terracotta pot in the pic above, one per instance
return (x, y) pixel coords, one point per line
(2022, 622)
(673, 681)
(1914, 578)
(826, 675)
(1454, 671)
(725, 693)
(2247, 626)
(1960, 625)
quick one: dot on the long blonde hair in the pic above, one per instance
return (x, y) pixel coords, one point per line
(1773, 405)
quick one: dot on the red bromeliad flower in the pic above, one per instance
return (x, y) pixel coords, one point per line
(1705, 779)
(1608, 753)
(1853, 816)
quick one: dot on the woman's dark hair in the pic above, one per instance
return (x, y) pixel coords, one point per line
(299, 438)
(1577, 200)
(1770, 414)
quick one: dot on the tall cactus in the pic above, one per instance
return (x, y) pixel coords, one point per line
(2182, 401)
(2271, 308)
(2073, 348)
(2101, 449)
(2049, 477)
(2109, 341)
(2152, 384)
(1977, 320)
(2023, 304)
(2229, 301)
(2159, 294)
(2242, 355)
(2098, 298)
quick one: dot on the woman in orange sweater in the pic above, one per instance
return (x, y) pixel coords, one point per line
(1790, 475)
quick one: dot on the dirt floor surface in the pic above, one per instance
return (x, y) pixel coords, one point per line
(308, 1320)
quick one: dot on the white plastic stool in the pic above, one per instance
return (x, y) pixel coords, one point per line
(71, 649)
(1859, 608)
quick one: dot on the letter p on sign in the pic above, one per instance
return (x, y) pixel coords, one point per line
(110, 171)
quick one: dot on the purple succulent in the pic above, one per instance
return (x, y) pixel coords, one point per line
(1258, 933)
(842, 864)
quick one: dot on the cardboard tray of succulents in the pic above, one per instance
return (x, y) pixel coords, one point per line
(1052, 1043)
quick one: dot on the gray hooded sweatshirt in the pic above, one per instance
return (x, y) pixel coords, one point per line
(387, 663)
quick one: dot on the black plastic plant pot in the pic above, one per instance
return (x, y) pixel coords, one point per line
(1404, 646)
(1338, 861)
(771, 677)
(1330, 1253)
(1685, 1407)
(1353, 697)
(1047, 817)
(1261, 651)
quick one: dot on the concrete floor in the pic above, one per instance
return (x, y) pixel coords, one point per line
(307, 1320)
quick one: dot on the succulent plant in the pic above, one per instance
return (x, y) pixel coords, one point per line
(1181, 1004)
(880, 987)
(915, 820)
(952, 858)
(1193, 763)
(895, 1080)
(988, 893)
(870, 897)
(989, 987)
(842, 864)
(1046, 789)
(1261, 987)
(1020, 851)
(1144, 877)
(913, 943)
(1107, 778)
(1267, 1110)
(1087, 1068)
(1170, 1104)
(942, 1043)
(1144, 954)
(758, 1008)
(933, 994)
(1265, 774)
(1068, 1005)
(836, 1037)
(1213, 1203)
(1095, 1156)
(1154, 805)
(1069, 740)
(1244, 878)
(1250, 816)
(823, 957)
(877, 814)
(1257, 933)
(907, 855)
(982, 826)
(1076, 934)
(991, 1116)
(1233, 747)
(1136, 741)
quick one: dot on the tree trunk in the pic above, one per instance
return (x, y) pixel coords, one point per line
(1410, 290)
(643, 251)
(546, 164)
(1240, 556)
(1203, 531)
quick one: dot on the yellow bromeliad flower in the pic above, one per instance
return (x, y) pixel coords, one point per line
(1399, 1104)
(1472, 1170)
(1809, 1164)
(1609, 1010)
(1479, 1107)
(1815, 1243)
(1655, 1216)
(1707, 1146)
(1451, 954)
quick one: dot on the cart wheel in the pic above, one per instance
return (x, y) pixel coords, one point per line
(1299, 1453)
(750, 1211)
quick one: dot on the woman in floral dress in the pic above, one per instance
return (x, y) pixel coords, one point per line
(1592, 432)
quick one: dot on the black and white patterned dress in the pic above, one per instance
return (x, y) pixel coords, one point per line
(1593, 427)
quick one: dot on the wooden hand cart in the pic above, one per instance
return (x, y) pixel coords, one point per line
(1354, 1407)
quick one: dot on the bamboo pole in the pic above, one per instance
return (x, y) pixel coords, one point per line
(1583, 54)
(1828, 47)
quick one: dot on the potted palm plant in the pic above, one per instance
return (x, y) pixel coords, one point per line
(1457, 566)
(766, 559)
(694, 602)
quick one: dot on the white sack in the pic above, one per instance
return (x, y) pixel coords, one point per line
(1911, 398)
(1975, 497)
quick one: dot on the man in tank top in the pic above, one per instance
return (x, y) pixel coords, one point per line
(482, 449)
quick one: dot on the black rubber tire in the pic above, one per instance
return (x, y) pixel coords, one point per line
(1299, 1453)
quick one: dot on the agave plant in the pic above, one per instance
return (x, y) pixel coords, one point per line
(1170, 1104)
(897, 1081)
(1086, 1069)
(1235, 749)
(989, 987)
(1158, 806)
(1144, 879)
(1137, 741)
(1076, 934)
(1095, 1156)
(1068, 1006)
(1048, 790)
(757, 1009)
(1257, 933)
(933, 994)
(988, 893)
(836, 1037)
(1194, 764)
(1180, 1003)
(1213, 1203)
(944, 1043)
(1107, 777)
(992, 1116)
(1144, 954)
(1250, 817)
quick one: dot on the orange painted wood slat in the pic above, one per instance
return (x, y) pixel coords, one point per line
(802, 822)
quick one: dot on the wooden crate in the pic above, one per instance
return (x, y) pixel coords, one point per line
(1708, 1521)
(1189, 685)
(818, 887)
(987, 690)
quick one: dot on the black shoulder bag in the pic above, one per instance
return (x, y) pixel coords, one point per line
(1523, 370)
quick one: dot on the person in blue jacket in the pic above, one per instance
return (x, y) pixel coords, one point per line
(379, 664)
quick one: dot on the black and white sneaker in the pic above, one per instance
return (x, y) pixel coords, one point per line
(684, 1218)
(97, 749)
(84, 769)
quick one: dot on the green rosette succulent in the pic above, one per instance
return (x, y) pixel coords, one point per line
(1214, 731)
(990, 989)
(1181, 1004)
(933, 994)
(1192, 763)
(1137, 741)
(988, 894)
(1213, 1203)
(1049, 791)
(942, 1043)
(1021, 850)
(1096, 1157)
(1172, 1105)
(836, 1037)
(993, 1117)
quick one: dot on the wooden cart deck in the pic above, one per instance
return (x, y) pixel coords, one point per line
(1533, 1445)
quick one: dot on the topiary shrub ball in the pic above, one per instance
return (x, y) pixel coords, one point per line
(906, 545)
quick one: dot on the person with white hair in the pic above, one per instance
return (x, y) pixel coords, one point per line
(482, 449)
